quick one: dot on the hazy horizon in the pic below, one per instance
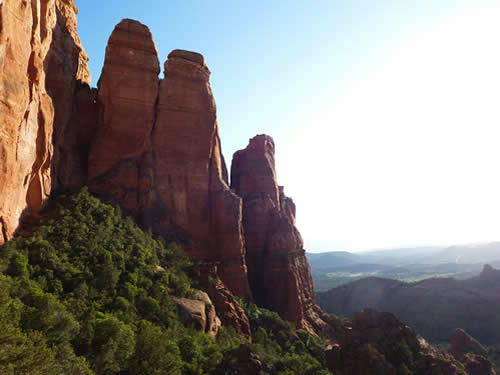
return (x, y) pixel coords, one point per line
(384, 114)
(322, 247)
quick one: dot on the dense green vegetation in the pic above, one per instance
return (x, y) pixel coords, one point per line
(284, 349)
(85, 291)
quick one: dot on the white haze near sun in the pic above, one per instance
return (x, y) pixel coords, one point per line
(410, 153)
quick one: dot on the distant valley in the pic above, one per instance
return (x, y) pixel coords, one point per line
(433, 307)
(331, 269)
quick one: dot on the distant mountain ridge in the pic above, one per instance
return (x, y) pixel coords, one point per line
(433, 307)
(465, 253)
(331, 269)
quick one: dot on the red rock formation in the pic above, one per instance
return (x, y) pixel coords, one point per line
(190, 179)
(199, 313)
(228, 308)
(67, 72)
(128, 89)
(374, 343)
(30, 41)
(461, 343)
(278, 271)
(157, 151)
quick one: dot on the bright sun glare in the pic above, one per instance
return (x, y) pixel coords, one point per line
(411, 152)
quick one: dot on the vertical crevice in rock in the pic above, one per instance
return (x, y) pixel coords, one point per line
(66, 72)
(4, 232)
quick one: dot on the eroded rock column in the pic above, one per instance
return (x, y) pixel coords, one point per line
(279, 274)
(194, 203)
(119, 164)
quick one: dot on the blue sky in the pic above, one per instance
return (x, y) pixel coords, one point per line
(384, 113)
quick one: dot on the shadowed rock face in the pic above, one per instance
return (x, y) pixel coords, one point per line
(278, 271)
(157, 151)
(67, 81)
(34, 37)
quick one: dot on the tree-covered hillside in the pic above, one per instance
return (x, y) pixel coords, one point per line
(83, 290)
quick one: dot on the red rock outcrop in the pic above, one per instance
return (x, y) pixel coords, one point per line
(461, 342)
(190, 176)
(199, 313)
(67, 81)
(157, 151)
(378, 343)
(279, 274)
(127, 92)
(227, 306)
(229, 310)
(31, 41)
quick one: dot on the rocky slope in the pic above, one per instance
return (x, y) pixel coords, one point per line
(157, 151)
(378, 343)
(433, 307)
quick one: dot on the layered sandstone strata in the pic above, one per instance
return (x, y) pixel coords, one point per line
(120, 154)
(157, 151)
(278, 270)
(197, 206)
(34, 36)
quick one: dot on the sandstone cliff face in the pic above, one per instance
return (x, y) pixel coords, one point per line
(67, 82)
(190, 175)
(31, 40)
(278, 271)
(127, 93)
(157, 151)
(151, 146)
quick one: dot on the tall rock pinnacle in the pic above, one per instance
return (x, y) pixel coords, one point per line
(279, 274)
(190, 174)
(120, 155)
(157, 151)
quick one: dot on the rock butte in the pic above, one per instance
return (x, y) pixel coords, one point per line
(150, 145)
(275, 253)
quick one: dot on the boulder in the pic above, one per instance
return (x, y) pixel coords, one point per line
(192, 313)
(199, 313)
